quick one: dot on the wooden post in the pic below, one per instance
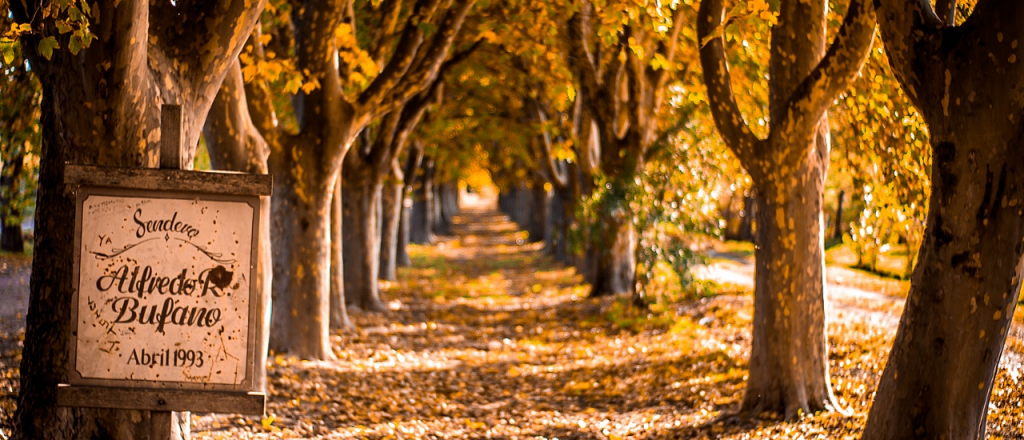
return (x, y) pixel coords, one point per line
(171, 144)
(171, 152)
(160, 425)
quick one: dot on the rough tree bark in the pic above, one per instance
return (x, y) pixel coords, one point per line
(361, 195)
(102, 107)
(965, 80)
(623, 94)
(789, 353)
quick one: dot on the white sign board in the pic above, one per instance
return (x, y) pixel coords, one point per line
(164, 293)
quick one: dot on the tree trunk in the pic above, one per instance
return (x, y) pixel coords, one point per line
(409, 173)
(11, 239)
(107, 117)
(964, 80)
(789, 351)
(615, 271)
(402, 249)
(443, 215)
(422, 220)
(537, 225)
(746, 230)
(837, 230)
(392, 209)
(339, 312)
(302, 213)
(361, 246)
(963, 292)
(558, 225)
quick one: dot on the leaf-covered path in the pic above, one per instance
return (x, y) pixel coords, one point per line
(488, 338)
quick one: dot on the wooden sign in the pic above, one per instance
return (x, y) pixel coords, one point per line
(164, 297)
(166, 311)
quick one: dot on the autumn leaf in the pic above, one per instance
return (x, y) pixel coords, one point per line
(47, 45)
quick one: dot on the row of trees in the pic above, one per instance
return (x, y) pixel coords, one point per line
(582, 113)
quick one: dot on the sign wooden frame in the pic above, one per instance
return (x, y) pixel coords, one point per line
(169, 182)
(254, 319)
(169, 395)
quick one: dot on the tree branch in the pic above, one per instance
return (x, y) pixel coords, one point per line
(427, 67)
(232, 140)
(390, 11)
(580, 56)
(205, 36)
(724, 110)
(946, 11)
(831, 76)
(669, 50)
(912, 37)
(402, 58)
(559, 179)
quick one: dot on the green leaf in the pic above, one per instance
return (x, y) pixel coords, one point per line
(7, 48)
(47, 45)
(75, 44)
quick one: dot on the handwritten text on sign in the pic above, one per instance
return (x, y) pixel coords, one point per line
(164, 289)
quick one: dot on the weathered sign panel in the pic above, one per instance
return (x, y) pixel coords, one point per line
(164, 295)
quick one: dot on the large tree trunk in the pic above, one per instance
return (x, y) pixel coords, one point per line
(107, 117)
(302, 213)
(11, 239)
(789, 351)
(939, 376)
(361, 239)
(963, 292)
(392, 209)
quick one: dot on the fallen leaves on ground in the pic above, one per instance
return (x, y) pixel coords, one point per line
(488, 338)
(491, 339)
